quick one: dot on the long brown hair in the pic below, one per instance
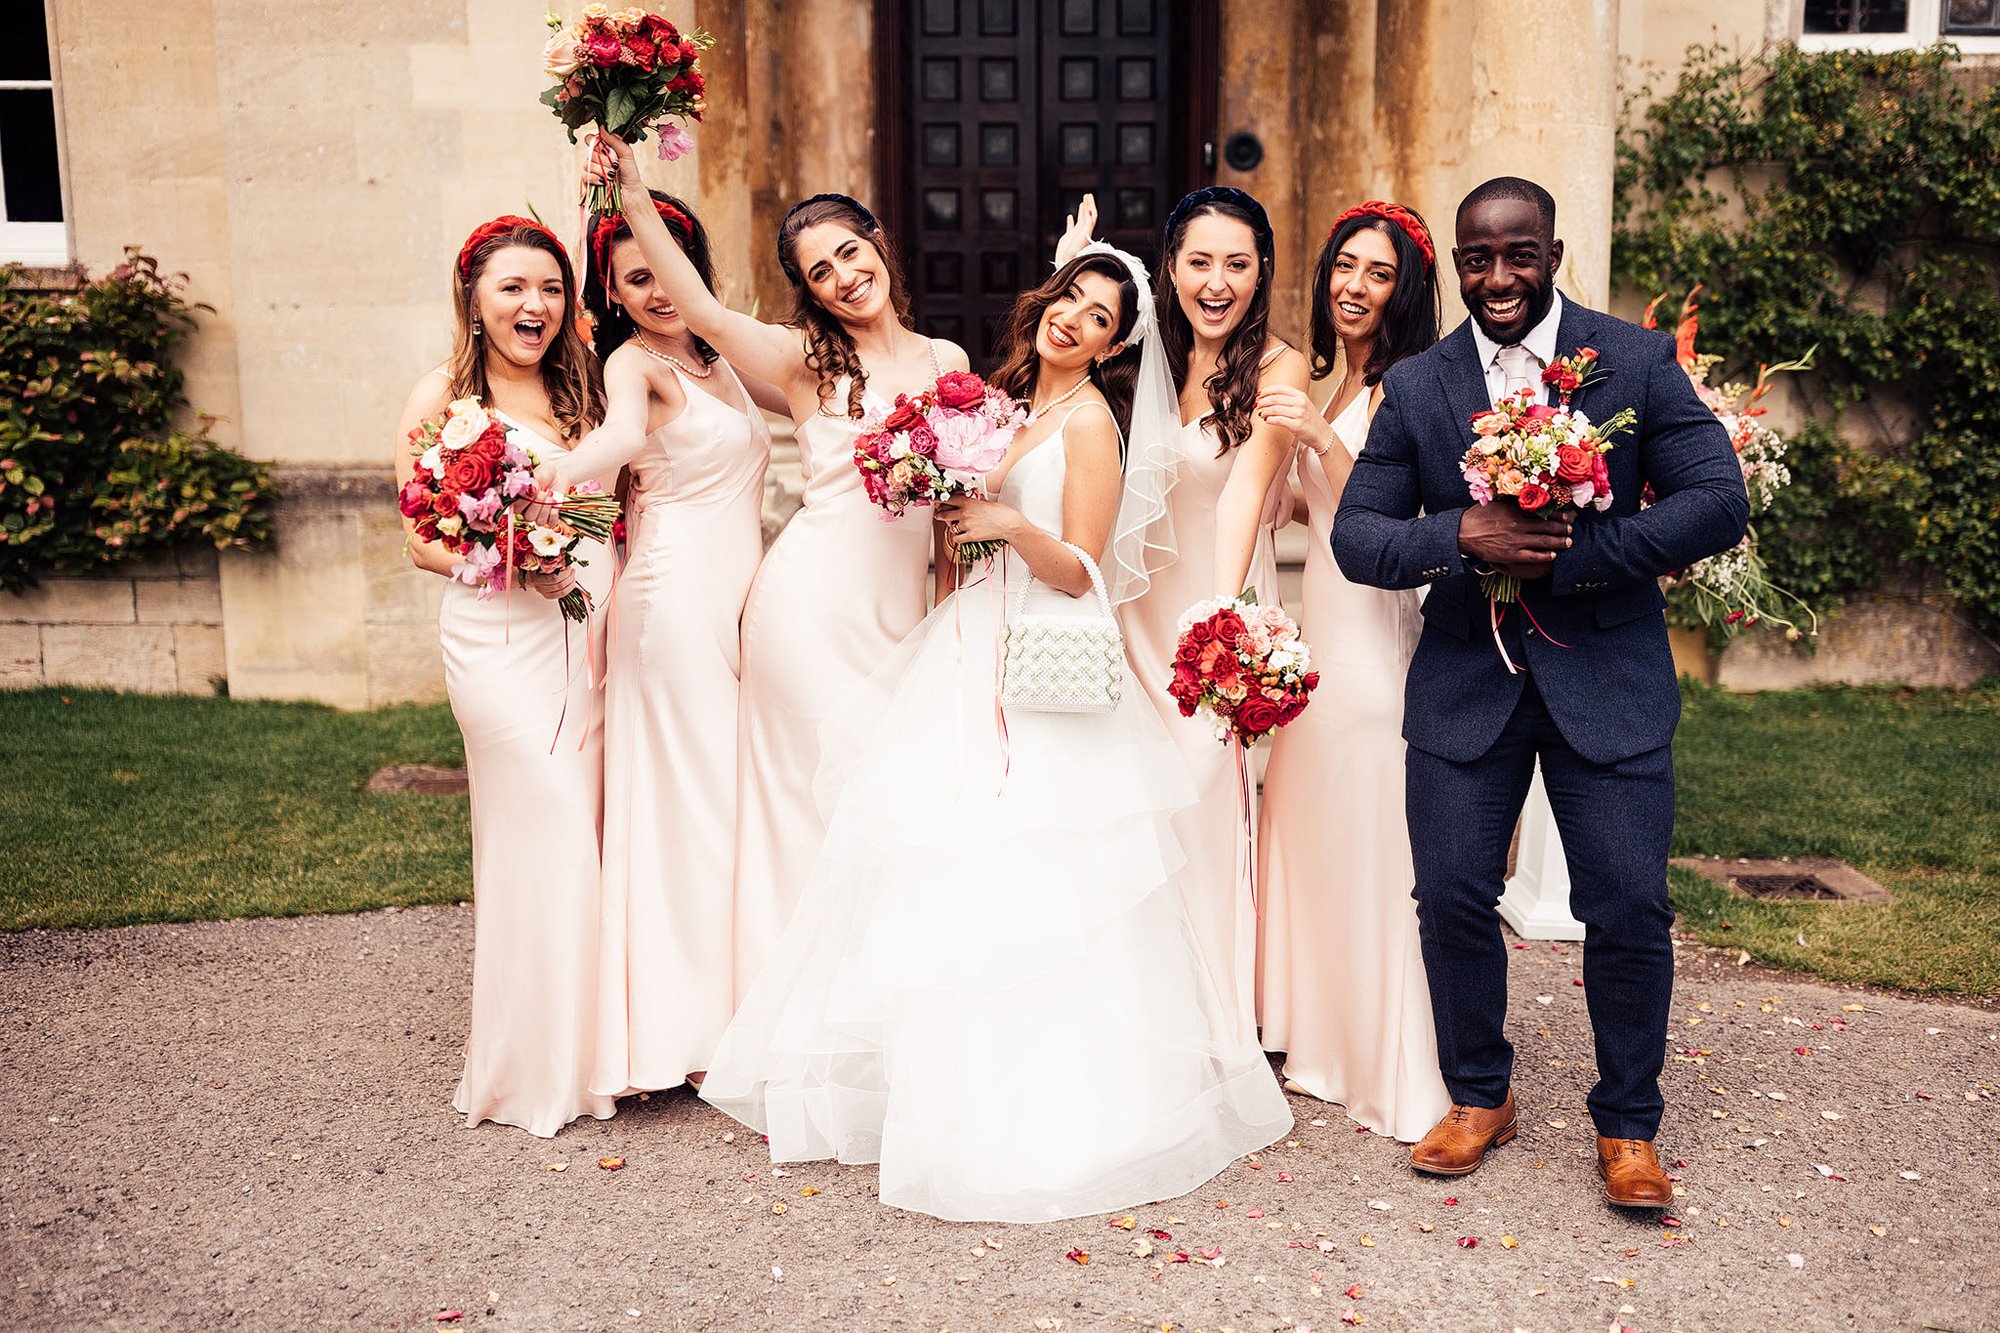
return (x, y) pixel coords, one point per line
(1232, 389)
(1021, 365)
(1409, 317)
(612, 324)
(570, 374)
(830, 350)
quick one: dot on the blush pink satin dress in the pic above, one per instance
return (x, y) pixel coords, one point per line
(532, 713)
(837, 591)
(693, 520)
(1216, 882)
(1341, 987)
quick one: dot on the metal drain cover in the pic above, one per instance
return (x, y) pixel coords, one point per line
(1794, 878)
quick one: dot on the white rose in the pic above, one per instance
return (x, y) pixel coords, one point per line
(461, 431)
(547, 542)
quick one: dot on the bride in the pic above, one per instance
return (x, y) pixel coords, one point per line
(989, 986)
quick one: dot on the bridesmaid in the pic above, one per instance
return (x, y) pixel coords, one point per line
(1341, 986)
(1224, 487)
(679, 417)
(520, 688)
(840, 587)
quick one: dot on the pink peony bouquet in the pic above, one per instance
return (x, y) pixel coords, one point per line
(470, 470)
(1242, 667)
(937, 445)
(627, 71)
(1540, 457)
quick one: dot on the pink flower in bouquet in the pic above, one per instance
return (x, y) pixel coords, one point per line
(675, 142)
(967, 441)
(603, 49)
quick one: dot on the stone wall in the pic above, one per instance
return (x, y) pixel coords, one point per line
(154, 626)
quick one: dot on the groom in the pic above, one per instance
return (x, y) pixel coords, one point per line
(1594, 699)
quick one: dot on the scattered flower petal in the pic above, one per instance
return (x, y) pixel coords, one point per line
(1796, 1260)
(611, 1163)
(1076, 1256)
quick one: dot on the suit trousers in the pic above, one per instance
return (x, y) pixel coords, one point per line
(1615, 820)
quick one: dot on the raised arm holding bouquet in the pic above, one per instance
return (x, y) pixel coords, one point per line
(625, 72)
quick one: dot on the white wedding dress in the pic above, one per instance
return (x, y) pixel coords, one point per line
(989, 985)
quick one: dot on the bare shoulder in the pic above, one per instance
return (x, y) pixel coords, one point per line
(1285, 364)
(1089, 432)
(950, 355)
(430, 397)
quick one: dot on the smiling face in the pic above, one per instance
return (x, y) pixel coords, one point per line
(1507, 263)
(520, 300)
(844, 272)
(1215, 274)
(1078, 327)
(644, 300)
(1362, 281)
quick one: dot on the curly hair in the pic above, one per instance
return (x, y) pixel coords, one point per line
(1232, 389)
(830, 350)
(570, 374)
(1020, 364)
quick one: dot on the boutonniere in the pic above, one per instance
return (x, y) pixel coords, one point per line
(1569, 374)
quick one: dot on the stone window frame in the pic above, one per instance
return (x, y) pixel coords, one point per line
(1924, 27)
(41, 245)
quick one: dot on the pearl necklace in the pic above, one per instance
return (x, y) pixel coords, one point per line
(669, 357)
(1035, 414)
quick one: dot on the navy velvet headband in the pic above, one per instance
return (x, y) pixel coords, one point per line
(1260, 222)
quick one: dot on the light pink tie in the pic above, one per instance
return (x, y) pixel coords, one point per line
(1521, 368)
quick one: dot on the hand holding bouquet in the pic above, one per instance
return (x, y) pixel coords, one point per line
(625, 72)
(936, 446)
(471, 471)
(1242, 667)
(1544, 459)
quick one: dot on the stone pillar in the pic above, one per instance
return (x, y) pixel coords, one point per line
(1544, 105)
(1264, 53)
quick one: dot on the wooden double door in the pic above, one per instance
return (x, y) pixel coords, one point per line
(1003, 113)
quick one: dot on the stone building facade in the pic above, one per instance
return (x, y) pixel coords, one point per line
(313, 169)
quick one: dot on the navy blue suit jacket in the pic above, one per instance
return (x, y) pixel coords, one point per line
(1612, 689)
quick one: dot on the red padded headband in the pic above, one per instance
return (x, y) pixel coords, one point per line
(1396, 214)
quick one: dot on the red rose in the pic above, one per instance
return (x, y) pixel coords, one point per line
(960, 388)
(659, 29)
(640, 51)
(903, 415)
(468, 472)
(1186, 654)
(1256, 715)
(1229, 628)
(1533, 496)
(603, 50)
(1572, 462)
(492, 450)
(426, 529)
(1200, 632)
(444, 504)
(689, 51)
(1540, 412)
(415, 499)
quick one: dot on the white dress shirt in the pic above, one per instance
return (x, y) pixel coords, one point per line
(1541, 340)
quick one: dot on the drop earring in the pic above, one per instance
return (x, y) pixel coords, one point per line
(477, 328)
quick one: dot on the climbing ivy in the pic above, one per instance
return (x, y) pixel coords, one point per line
(1850, 201)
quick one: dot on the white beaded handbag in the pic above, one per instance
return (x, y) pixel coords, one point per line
(1063, 664)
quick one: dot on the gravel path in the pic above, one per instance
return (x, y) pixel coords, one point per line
(246, 1124)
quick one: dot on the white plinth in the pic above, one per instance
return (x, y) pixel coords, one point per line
(1536, 903)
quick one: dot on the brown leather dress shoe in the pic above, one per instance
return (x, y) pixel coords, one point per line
(1633, 1177)
(1459, 1142)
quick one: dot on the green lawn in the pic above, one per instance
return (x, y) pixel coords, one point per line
(127, 808)
(1902, 784)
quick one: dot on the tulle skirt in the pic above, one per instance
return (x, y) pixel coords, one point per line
(989, 986)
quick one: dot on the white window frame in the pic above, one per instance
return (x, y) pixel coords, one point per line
(41, 244)
(1925, 24)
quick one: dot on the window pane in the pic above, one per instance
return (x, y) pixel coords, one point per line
(29, 176)
(1972, 16)
(24, 41)
(1857, 16)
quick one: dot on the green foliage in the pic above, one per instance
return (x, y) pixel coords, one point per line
(92, 467)
(1849, 200)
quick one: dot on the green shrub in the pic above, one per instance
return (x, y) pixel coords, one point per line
(93, 469)
(1868, 222)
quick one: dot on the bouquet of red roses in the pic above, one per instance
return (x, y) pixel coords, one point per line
(937, 445)
(626, 71)
(1241, 666)
(470, 468)
(1542, 458)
